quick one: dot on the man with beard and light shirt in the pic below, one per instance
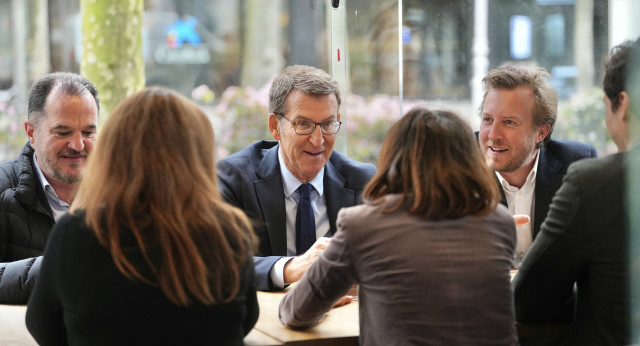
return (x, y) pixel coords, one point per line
(38, 186)
(519, 110)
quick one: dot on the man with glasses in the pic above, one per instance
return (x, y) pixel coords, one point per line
(293, 187)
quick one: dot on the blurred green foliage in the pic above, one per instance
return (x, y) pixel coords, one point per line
(12, 136)
(582, 119)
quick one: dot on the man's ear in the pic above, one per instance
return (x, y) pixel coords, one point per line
(542, 132)
(30, 130)
(274, 126)
(623, 107)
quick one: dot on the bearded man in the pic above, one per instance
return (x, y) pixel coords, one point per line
(38, 186)
(519, 111)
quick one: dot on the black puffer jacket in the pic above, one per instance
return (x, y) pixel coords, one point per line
(25, 223)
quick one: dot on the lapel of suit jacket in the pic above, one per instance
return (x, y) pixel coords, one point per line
(336, 195)
(503, 197)
(270, 194)
(548, 180)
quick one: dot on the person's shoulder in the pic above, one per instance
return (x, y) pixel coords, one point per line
(600, 167)
(73, 223)
(571, 150)
(254, 151)
(362, 214)
(247, 159)
(11, 170)
(8, 175)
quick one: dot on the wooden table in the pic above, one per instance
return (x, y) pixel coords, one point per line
(13, 331)
(340, 326)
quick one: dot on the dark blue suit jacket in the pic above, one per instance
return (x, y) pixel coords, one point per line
(555, 158)
(251, 180)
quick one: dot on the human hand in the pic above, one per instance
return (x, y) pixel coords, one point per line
(343, 301)
(521, 219)
(294, 269)
(352, 295)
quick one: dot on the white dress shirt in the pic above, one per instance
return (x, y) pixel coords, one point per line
(290, 184)
(58, 206)
(522, 201)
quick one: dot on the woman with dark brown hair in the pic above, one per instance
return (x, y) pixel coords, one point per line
(150, 253)
(431, 248)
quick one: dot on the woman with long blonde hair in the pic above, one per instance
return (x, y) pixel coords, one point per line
(150, 253)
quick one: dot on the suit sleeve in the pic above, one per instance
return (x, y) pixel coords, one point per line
(229, 181)
(263, 267)
(44, 317)
(328, 279)
(17, 280)
(543, 286)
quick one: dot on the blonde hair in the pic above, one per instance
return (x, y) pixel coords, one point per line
(151, 180)
(432, 160)
(509, 77)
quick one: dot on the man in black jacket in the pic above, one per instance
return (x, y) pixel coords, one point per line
(583, 242)
(38, 186)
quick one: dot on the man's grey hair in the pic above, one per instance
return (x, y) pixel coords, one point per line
(66, 82)
(309, 80)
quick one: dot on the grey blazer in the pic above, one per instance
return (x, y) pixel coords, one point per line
(251, 180)
(422, 282)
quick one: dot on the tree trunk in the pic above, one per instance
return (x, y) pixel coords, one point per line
(583, 44)
(38, 51)
(112, 49)
(262, 56)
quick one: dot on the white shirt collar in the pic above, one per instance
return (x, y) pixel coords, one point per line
(291, 183)
(52, 197)
(531, 177)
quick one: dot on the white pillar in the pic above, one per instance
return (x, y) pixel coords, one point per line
(18, 29)
(480, 54)
(339, 65)
(623, 21)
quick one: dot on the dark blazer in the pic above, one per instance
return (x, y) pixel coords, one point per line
(583, 241)
(82, 298)
(555, 158)
(251, 180)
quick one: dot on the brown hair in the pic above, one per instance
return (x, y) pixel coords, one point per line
(432, 160)
(509, 77)
(615, 77)
(152, 178)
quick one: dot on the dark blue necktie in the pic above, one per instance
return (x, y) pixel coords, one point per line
(305, 221)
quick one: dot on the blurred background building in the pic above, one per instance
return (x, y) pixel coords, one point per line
(389, 55)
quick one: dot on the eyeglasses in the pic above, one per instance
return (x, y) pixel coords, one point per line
(304, 127)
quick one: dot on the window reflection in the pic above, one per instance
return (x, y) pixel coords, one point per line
(398, 54)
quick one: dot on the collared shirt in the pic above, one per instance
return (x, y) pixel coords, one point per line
(58, 206)
(290, 184)
(522, 201)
